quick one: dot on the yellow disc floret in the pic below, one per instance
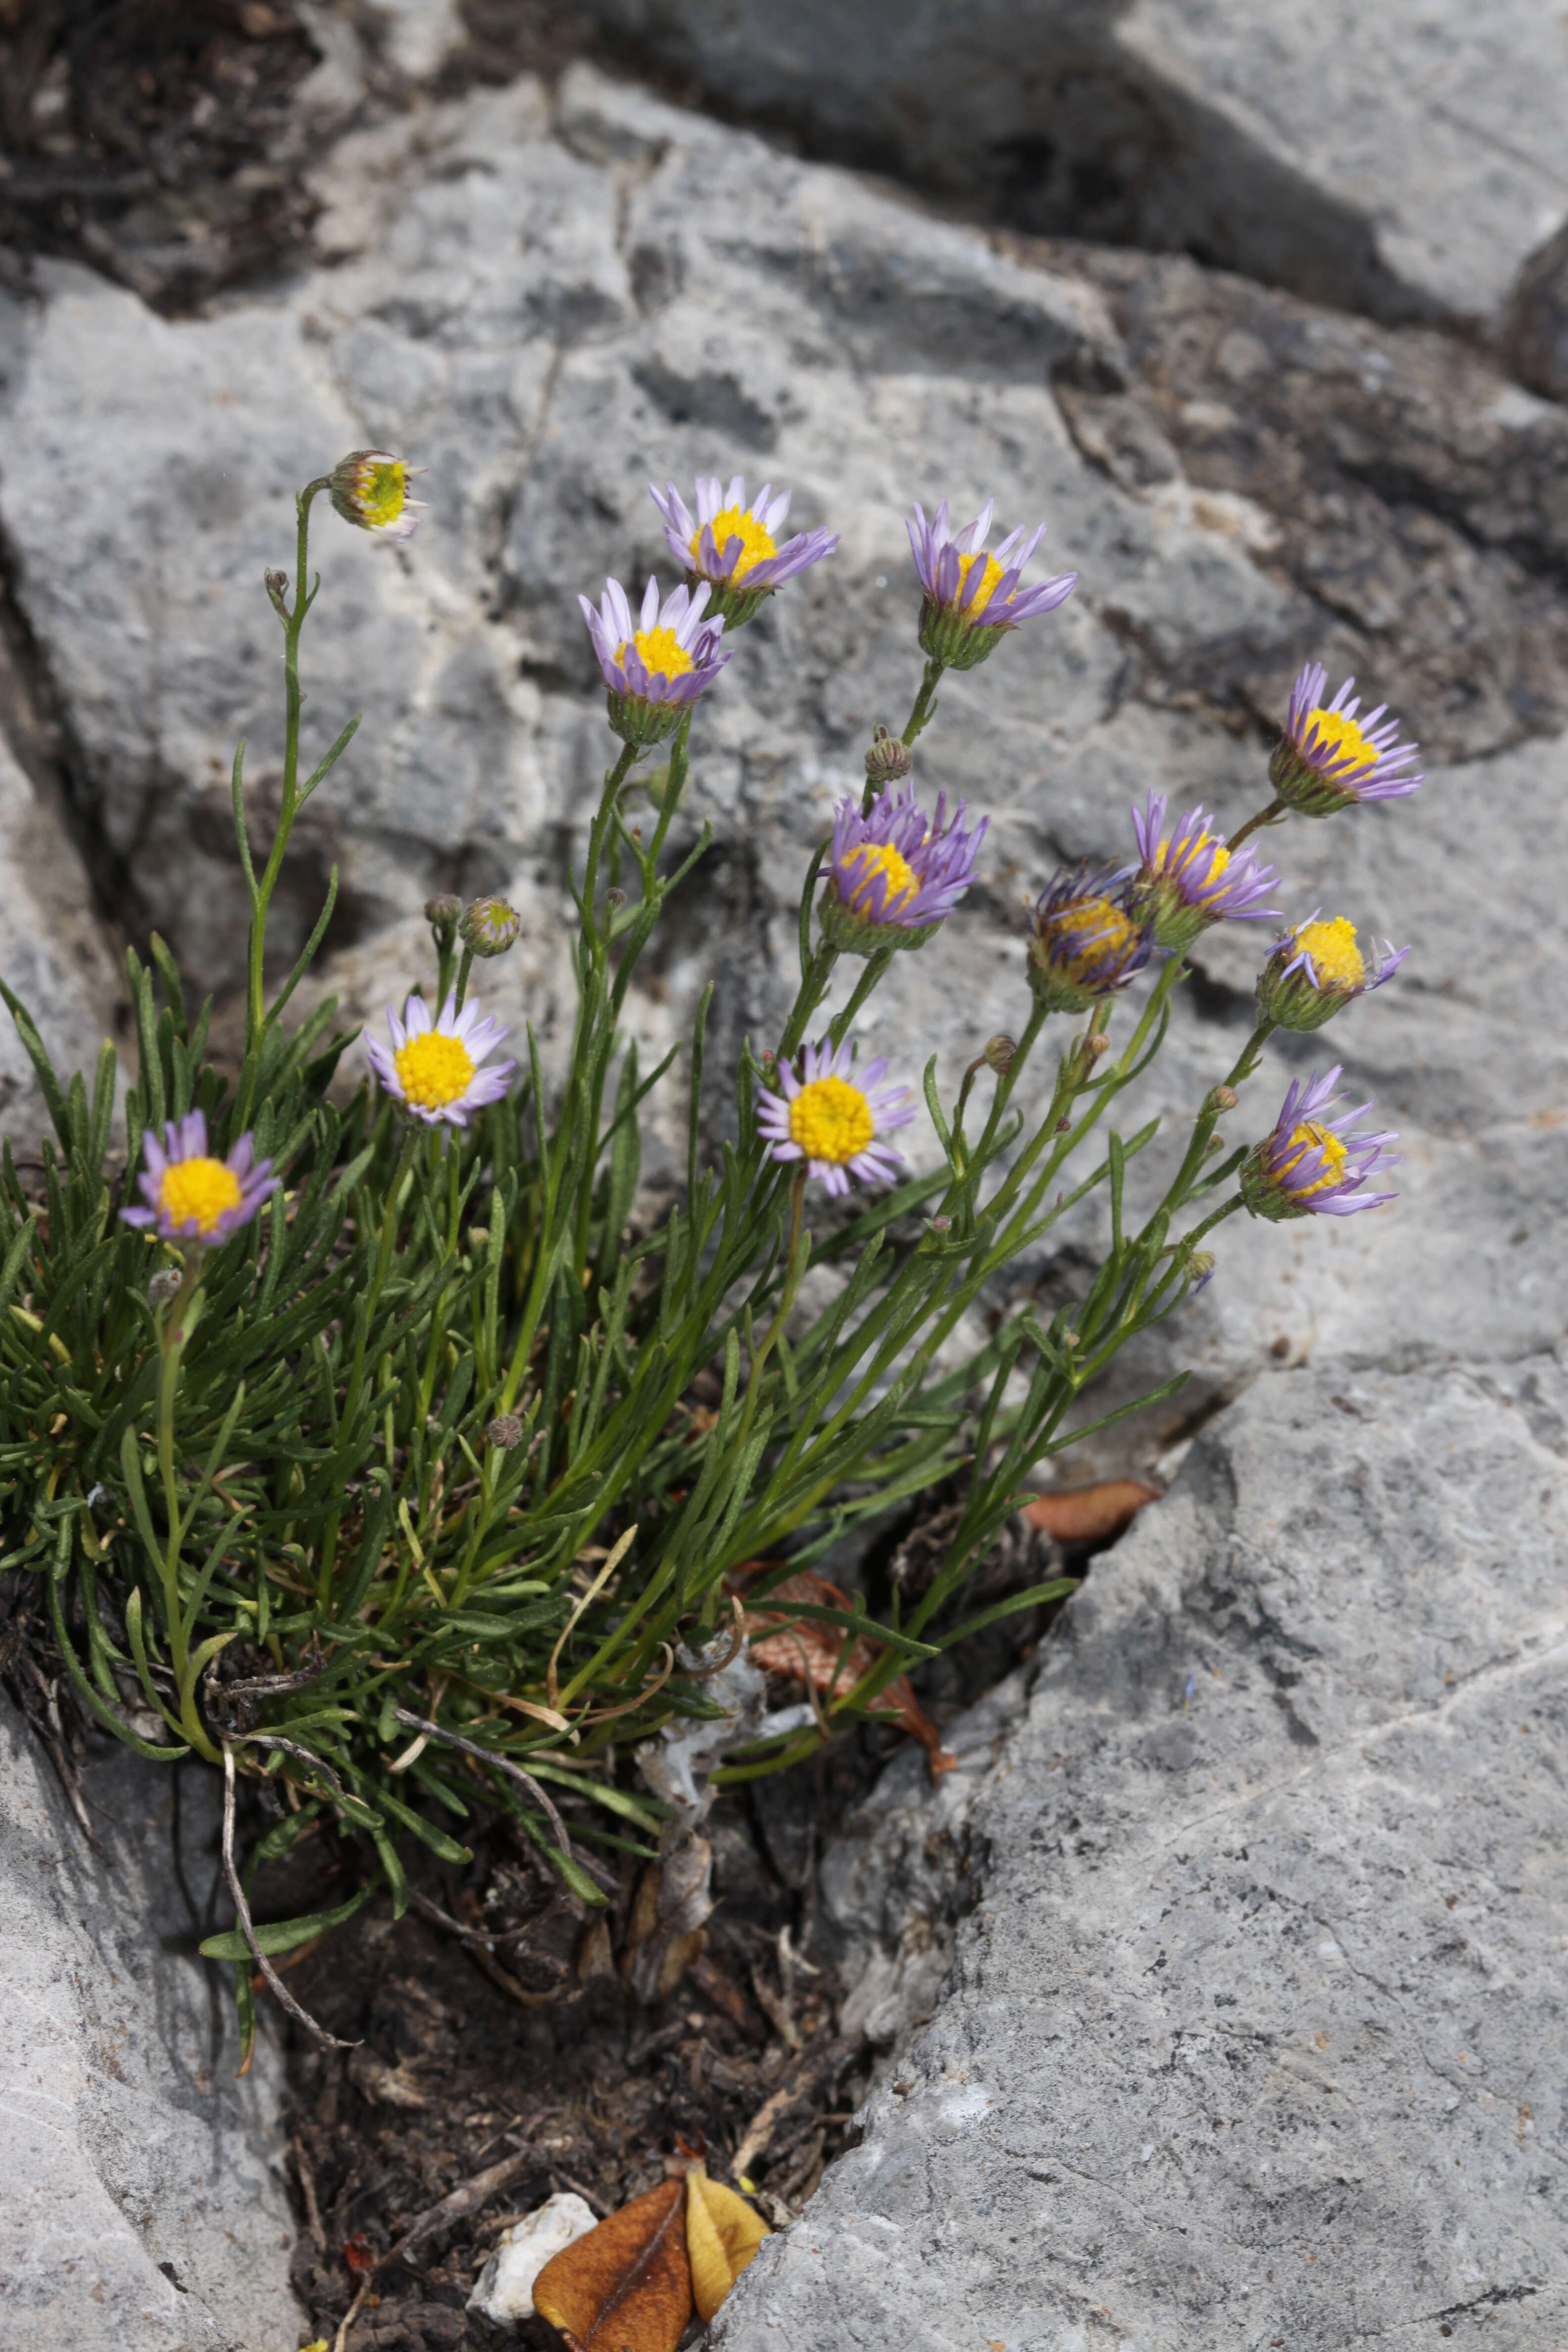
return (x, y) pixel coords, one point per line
(1205, 851)
(973, 607)
(198, 1192)
(866, 863)
(434, 1070)
(1340, 737)
(736, 522)
(831, 1120)
(660, 651)
(1336, 959)
(383, 493)
(1087, 934)
(1304, 1140)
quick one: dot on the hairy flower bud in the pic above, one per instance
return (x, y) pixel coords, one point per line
(886, 758)
(505, 1432)
(277, 582)
(1224, 1097)
(442, 913)
(162, 1286)
(998, 1052)
(369, 487)
(490, 926)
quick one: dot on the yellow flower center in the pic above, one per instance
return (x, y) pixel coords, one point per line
(201, 1189)
(434, 1070)
(1205, 851)
(1308, 1138)
(987, 588)
(661, 653)
(1336, 959)
(736, 522)
(1340, 737)
(382, 492)
(1088, 933)
(831, 1120)
(867, 862)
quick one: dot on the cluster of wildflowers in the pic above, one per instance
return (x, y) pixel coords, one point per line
(428, 1466)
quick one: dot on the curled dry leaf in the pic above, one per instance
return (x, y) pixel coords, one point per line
(722, 2233)
(626, 2285)
(1078, 1514)
(812, 1653)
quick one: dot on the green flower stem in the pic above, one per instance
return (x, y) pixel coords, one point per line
(293, 624)
(464, 969)
(924, 707)
(178, 1323)
(795, 1267)
(1270, 815)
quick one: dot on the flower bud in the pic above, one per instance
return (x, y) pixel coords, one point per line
(442, 913)
(489, 926)
(1223, 1099)
(370, 489)
(1200, 1266)
(939, 1225)
(277, 582)
(999, 1052)
(1096, 1043)
(886, 758)
(615, 897)
(162, 1286)
(505, 1432)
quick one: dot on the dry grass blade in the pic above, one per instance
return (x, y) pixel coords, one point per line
(817, 1655)
(626, 2286)
(501, 1763)
(242, 1915)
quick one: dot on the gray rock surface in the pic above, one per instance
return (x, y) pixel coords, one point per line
(142, 2206)
(1257, 2031)
(1403, 161)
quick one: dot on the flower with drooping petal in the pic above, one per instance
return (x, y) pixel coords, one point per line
(895, 874)
(370, 488)
(1191, 880)
(1316, 967)
(1087, 939)
(656, 667)
(732, 545)
(835, 1117)
(431, 1068)
(972, 598)
(1331, 758)
(1309, 1167)
(190, 1196)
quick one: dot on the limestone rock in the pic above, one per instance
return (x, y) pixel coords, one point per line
(1258, 2029)
(52, 953)
(141, 2199)
(1402, 161)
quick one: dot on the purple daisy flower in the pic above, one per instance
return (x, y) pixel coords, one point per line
(1329, 758)
(369, 487)
(190, 1196)
(431, 1068)
(835, 1117)
(1318, 967)
(657, 666)
(973, 597)
(1088, 937)
(1309, 1167)
(732, 543)
(895, 874)
(1192, 880)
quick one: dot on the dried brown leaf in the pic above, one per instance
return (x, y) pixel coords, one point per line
(811, 1651)
(722, 2233)
(1078, 1514)
(626, 2285)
